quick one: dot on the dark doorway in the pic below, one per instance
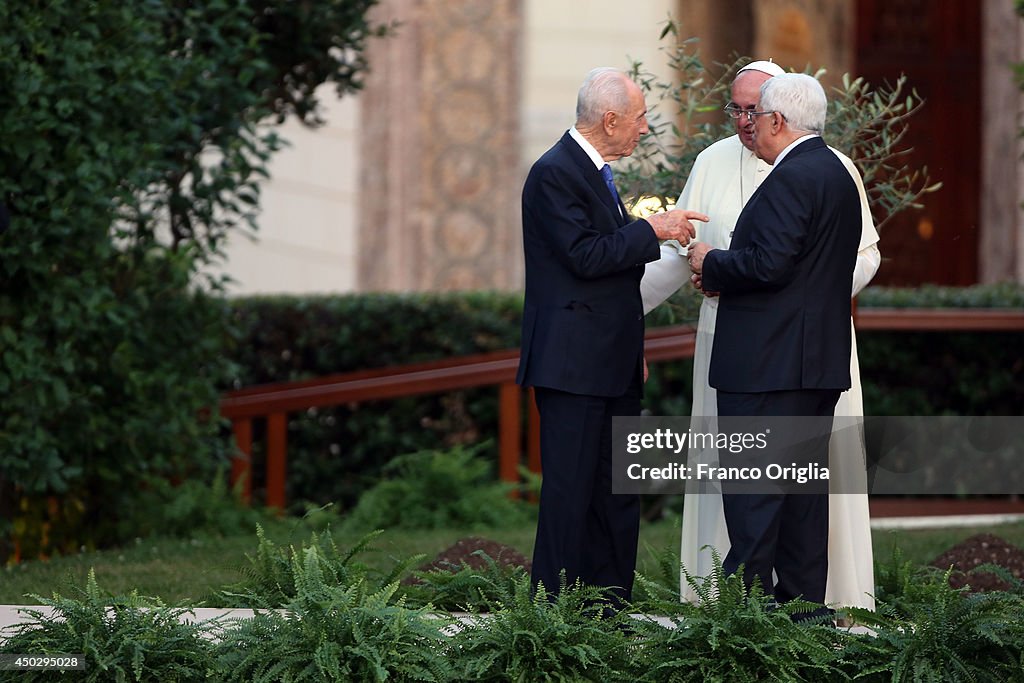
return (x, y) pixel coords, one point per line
(937, 44)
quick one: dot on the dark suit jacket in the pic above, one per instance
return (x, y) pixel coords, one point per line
(785, 281)
(583, 323)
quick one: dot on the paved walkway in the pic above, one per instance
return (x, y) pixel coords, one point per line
(944, 522)
(11, 615)
(14, 614)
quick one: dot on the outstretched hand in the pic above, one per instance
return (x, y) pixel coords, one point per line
(676, 225)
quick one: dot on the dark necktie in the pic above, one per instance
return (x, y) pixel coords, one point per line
(606, 173)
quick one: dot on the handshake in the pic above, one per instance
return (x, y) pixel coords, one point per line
(676, 225)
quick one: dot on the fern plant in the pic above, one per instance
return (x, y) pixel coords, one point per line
(902, 585)
(336, 632)
(123, 638)
(736, 635)
(466, 589)
(662, 589)
(269, 580)
(195, 506)
(944, 634)
(534, 636)
(439, 490)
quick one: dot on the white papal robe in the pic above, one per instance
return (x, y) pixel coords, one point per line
(723, 178)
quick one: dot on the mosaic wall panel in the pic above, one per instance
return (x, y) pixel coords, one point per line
(440, 188)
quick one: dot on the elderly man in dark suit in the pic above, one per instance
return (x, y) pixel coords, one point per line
(583, 331)
(782, 344)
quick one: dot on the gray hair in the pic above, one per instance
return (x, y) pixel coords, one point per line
(798, 97)
(603, 90)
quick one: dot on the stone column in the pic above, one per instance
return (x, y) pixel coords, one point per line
(440, 185)
(725, 28)
(802, 33)
(1001, 247)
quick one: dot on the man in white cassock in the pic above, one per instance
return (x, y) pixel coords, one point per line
(723, 178)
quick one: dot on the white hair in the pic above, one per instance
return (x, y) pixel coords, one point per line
(603, 90)
(798, 97)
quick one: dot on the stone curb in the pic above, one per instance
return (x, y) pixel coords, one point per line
(12, 615)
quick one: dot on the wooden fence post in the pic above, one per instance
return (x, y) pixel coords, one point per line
(509, 433)
(277, 466)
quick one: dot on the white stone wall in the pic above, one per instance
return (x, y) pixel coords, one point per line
(563, 41)
(306, 240)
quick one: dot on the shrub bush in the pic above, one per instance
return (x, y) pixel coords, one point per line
(463, 589)
(454, 489)
(123, 638)
(133, 142)
(337, 632)
(901, 584)
(733, 634)
(945, 635)
(89, 427)
(540, 637)
(269, 580)
(195, 506)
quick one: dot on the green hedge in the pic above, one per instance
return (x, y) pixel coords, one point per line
(291, 337)
(1002, 295)
(336, 453)
(931, 373)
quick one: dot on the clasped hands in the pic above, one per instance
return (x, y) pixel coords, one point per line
(695, 257)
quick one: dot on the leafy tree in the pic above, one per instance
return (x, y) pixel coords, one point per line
(133, 135)
(866, 124)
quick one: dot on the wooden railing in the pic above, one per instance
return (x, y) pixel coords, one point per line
(273, 402)
(939, 320)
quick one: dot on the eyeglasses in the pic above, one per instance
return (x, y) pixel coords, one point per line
(735, 112)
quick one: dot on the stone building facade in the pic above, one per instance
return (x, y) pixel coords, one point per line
(414, 184)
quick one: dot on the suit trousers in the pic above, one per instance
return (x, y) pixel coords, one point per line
(583, 528)
(778, 531)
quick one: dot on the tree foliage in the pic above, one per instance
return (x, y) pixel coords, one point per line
(133, 135)
(864, 122)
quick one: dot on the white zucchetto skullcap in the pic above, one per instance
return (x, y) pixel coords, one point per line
(768, 67)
